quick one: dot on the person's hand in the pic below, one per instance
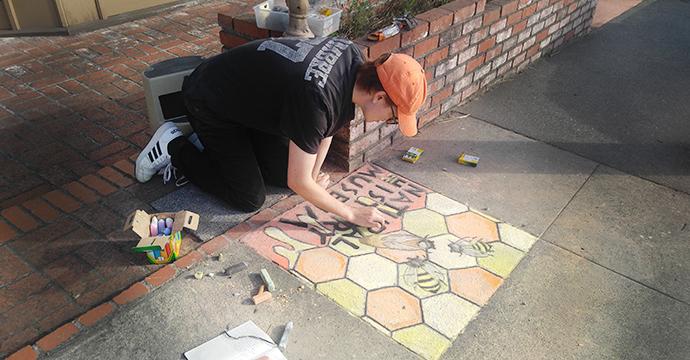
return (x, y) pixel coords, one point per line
(368, 217)
(323, 180)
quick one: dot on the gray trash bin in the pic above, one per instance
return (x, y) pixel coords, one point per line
(162, 88)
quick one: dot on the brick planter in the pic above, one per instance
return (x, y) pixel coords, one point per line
(465, 47)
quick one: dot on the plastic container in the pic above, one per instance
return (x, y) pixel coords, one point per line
(320, 25)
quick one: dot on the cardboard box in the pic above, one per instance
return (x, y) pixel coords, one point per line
(160, 249)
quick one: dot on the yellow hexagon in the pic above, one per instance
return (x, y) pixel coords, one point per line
(424, 222)
(346, 294)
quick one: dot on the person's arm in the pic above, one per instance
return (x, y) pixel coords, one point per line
(321, 156)
(321, 178)
(301, 181)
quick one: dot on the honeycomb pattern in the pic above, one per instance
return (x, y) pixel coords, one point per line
(372, 271)
(419, 279)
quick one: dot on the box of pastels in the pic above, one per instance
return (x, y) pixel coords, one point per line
(160, 233)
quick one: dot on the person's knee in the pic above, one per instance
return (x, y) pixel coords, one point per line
(249, 202)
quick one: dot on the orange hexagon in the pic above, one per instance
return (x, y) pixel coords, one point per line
(472, 225)
(393, 308)
(474, 284)
(322, 264)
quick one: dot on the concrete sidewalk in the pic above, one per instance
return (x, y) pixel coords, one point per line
(607, 279)
(618, 97)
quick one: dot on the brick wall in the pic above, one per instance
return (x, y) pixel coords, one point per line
(465, 46)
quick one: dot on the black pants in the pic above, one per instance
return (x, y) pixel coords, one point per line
(236, 162)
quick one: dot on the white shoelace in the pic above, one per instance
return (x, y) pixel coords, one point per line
(169, 172)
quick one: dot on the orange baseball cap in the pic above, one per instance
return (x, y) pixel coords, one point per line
(404, 81)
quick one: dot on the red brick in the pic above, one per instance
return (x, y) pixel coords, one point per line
(231, 40)
(426, 46)
(81, 192)
(262, 217)
(486, 44)
(429, 116)
(542, 4)
(491, 54)
(35, 192)
(25, 353)
(41, 209)
(518, 28)
(20, 218)
(435, 86)
(491, 14)
(238, 231)
(514, 18)
(125, 166)
(436, 57)
(92, 316)
(508, 7)
(161, 276)
(462, 9)
(376, 49)
(225, 21)
(57, 337)
(115, 177)
(98, 184)
(528, 11)
(188, 260)
(62, 201)
(134, 292)
(439, 19)
(108, 150)
(418, 33)
(481, 6)
(471, 90)
(215, 245)
(356, 148)
(542, 35)
(441, 95)
(289, 202)
(474, 63)
(533, 51)
(6, 232)
(246, 25)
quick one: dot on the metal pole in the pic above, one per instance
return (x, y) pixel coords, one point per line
(298, 26)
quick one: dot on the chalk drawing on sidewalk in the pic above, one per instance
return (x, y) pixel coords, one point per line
(420, 278)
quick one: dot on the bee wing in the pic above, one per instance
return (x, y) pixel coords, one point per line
(402, 241)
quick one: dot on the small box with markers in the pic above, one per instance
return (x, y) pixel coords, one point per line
(161, 233)
(412, 155)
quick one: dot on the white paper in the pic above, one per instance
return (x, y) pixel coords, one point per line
(241, 343)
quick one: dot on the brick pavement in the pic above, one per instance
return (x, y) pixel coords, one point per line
(72, 117)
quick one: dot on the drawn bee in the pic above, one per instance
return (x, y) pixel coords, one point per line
(424, 275)
(471, 246)
(399, 241)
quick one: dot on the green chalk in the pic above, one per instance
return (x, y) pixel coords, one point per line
(267, 280)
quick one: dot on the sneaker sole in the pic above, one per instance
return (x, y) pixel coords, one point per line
(143, 155)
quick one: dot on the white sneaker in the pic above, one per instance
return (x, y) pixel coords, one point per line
(155, 155)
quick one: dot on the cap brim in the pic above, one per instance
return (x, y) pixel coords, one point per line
(407, 124)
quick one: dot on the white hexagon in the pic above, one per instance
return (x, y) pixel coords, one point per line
(424, 222)
(516, 237)
(442, 255)
(372, 271)
(448, 313)
(444, 205)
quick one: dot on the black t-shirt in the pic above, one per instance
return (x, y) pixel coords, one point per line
(298, 88)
